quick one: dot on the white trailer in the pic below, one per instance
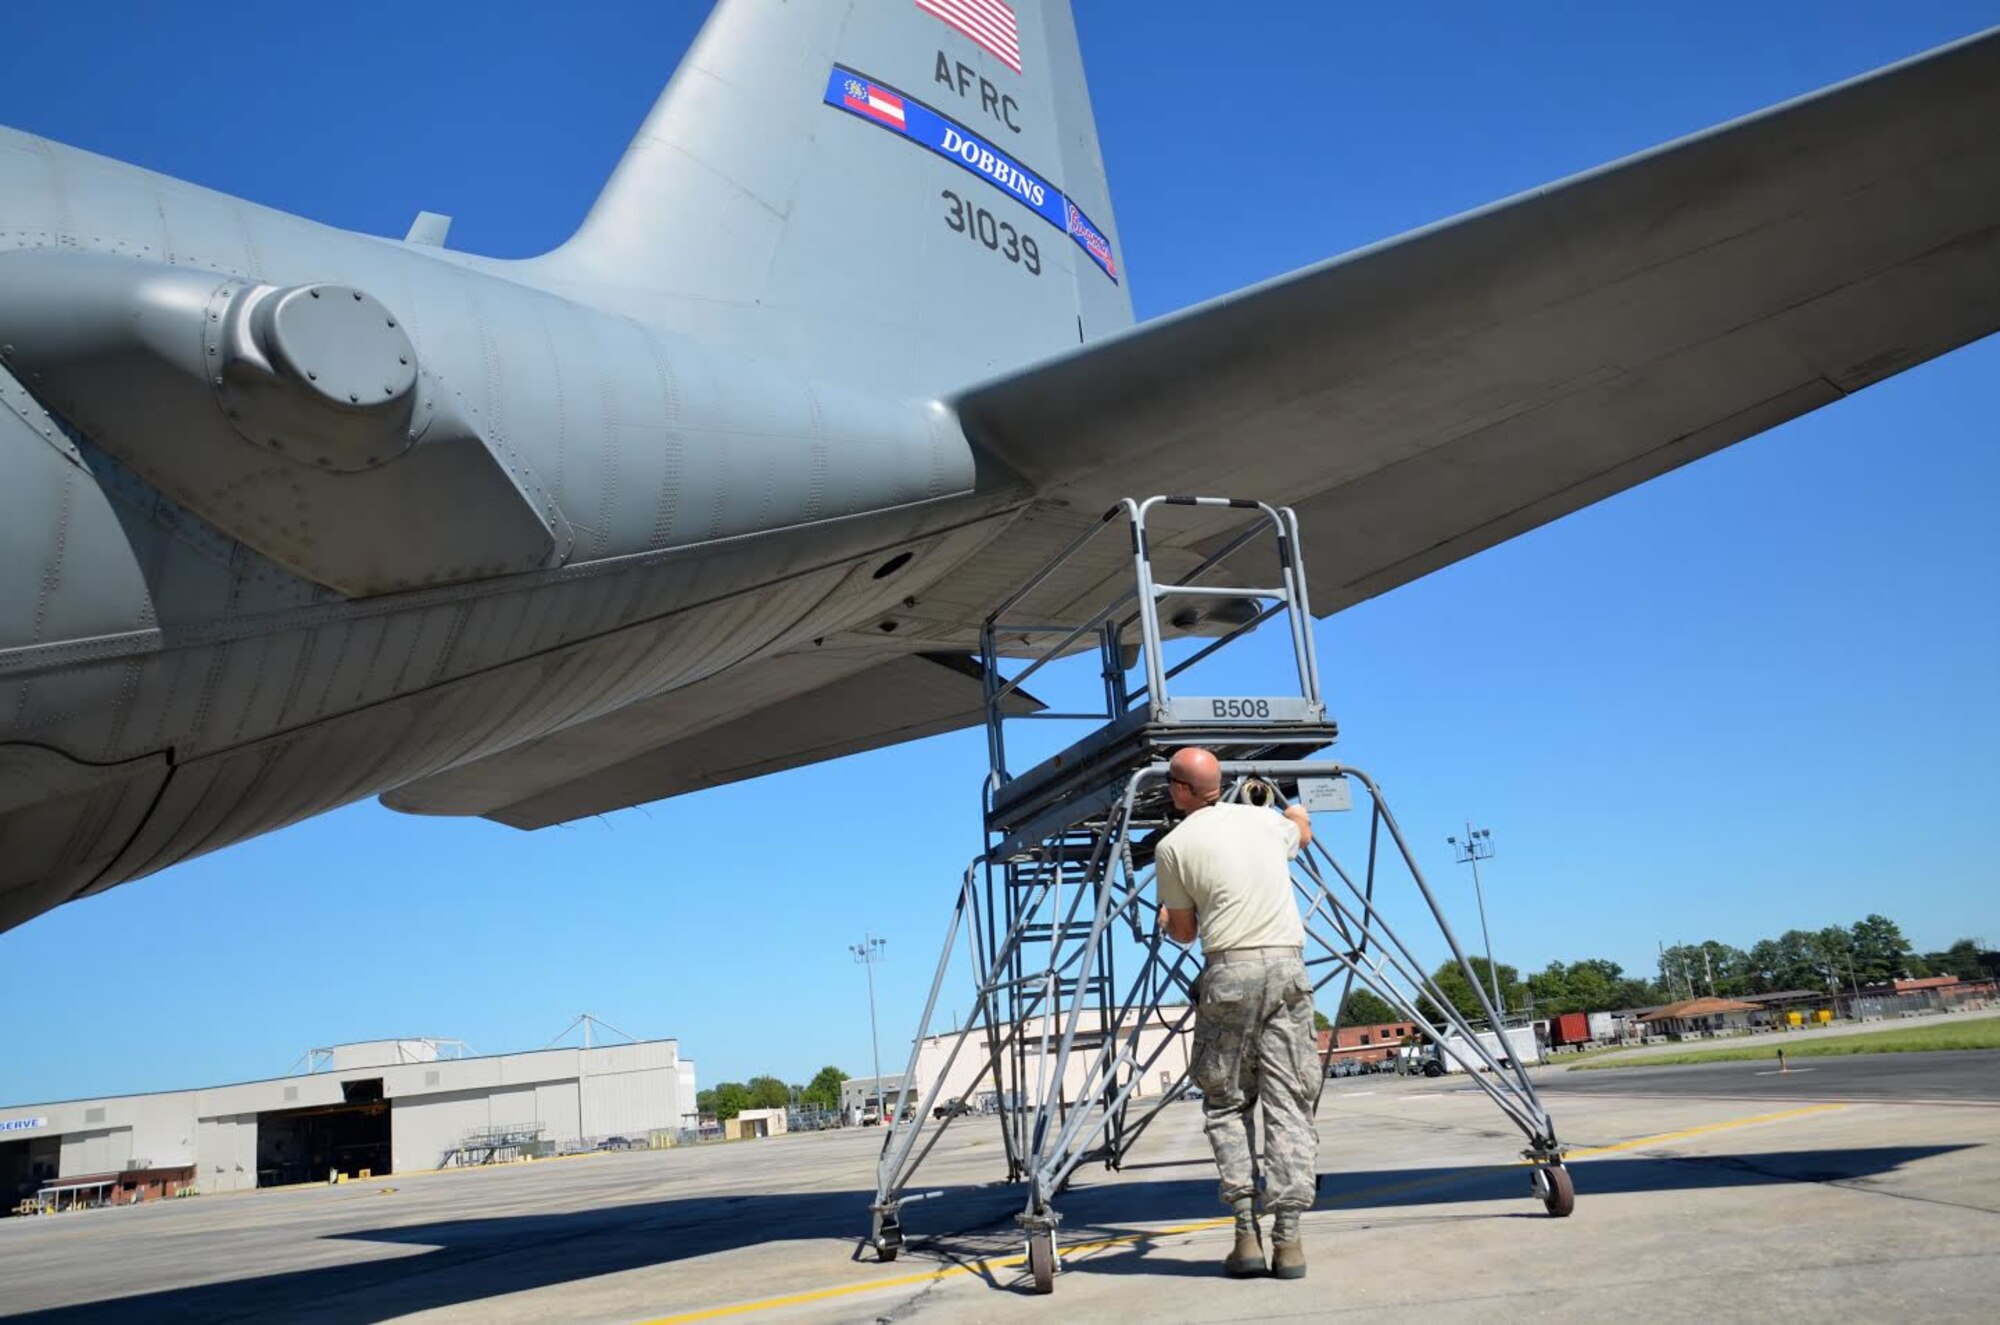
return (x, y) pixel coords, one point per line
(1520, 1044)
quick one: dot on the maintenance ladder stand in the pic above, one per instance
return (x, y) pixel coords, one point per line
(1062, 896)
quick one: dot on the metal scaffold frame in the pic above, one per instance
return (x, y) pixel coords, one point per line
(1061, 898)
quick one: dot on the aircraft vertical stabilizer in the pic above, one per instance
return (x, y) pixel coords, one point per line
(906, 196)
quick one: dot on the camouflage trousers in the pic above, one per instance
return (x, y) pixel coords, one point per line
(1254, 1043)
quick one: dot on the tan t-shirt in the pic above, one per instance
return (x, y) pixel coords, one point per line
(1231, 864)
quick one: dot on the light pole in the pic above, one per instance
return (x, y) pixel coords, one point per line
(1478, 846)
(868, 952)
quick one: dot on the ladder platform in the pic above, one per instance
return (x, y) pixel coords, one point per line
(1113, 752)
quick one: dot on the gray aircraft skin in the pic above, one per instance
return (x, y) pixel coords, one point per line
(290, 516)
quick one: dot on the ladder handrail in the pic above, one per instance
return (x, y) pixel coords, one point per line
(1111, 622)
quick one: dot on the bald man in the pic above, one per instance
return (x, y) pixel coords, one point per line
(1224, 873)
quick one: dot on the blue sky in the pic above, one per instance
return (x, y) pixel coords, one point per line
(1755, 694)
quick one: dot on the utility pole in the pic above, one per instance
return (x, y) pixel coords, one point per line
(868, 952)
(1667, 970)
(1833, 957)
(1478, 846)
(1708, 971)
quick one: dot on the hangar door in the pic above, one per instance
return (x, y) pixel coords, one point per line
(24, 1166)
(308, 1145)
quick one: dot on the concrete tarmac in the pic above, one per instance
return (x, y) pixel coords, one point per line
(1689, 1207)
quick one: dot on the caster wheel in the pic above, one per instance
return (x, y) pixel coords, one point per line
(888, 1237)
(1553, 1187)
(1042, 1261)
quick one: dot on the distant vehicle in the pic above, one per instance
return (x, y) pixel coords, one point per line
(1571, 1028)
(1514, 1042)
(1417, 1060)
(951, 1109)
(618, 1143)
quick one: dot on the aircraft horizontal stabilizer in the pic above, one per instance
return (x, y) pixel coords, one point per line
(1432, 396)
(833, 703)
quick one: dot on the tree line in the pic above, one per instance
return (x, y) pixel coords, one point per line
(1870, 951)
(728, 1098)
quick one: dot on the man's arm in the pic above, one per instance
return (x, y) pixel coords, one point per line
(1177, 913)
(1303, 822)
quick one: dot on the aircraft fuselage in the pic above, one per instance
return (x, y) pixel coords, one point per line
(231, 599)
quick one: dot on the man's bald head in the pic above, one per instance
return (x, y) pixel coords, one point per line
(1198, 774)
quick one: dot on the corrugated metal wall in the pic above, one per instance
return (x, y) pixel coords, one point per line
(512, 1107)
(629, 1103)
(226, 1150)
(163, 1129)
(96, 1152)
(558, 1108)
(423, 1128)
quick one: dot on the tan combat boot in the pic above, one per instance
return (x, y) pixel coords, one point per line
(1246, 1258)
(1288, 1248)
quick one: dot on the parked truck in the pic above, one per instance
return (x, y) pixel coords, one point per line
(1569, 1029)
(1519, 1045)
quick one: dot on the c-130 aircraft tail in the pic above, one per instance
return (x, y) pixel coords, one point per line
(786, 194)
(295, 516)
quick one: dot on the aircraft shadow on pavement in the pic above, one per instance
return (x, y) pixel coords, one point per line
(471, 1260)
(1115, 1211)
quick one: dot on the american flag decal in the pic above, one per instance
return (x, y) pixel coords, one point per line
(990, 23)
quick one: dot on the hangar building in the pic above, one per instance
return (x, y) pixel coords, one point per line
(385, 1106)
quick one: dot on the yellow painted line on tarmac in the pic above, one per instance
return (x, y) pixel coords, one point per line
(929, 1276)
(1202, 1225)
(1705, 1129)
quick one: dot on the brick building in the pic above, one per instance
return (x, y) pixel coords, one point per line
(1366, 1044)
